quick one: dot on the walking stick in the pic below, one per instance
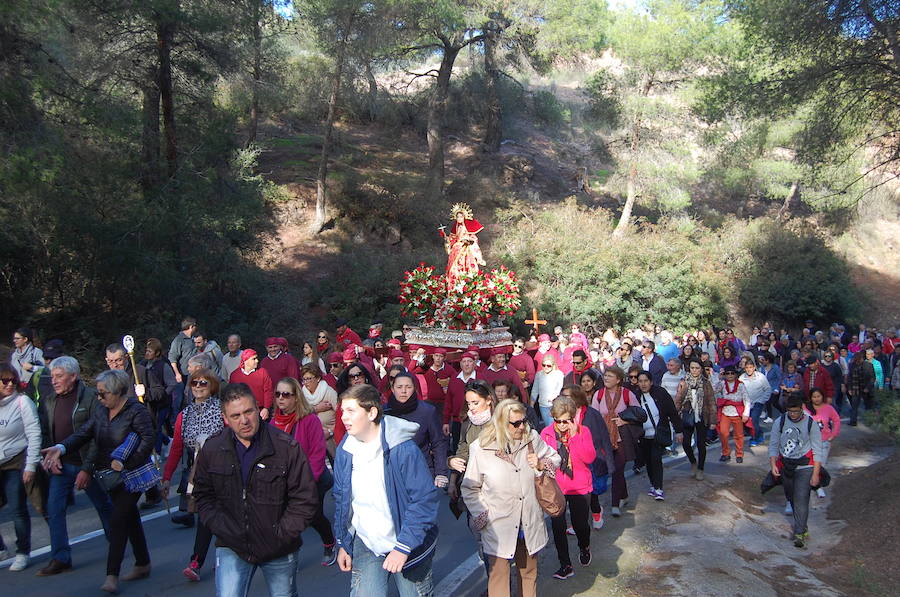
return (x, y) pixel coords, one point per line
(128, 343)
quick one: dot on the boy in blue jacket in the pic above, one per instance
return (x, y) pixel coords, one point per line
(386, 504)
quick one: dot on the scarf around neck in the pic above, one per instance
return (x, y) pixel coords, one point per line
(398, 408)
(201, 420)
(479, 419)
(562, 446)
(313, 398)
(284, 421)
(697, 391)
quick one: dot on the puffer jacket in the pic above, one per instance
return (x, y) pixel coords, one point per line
(262, 520)
(109, 435)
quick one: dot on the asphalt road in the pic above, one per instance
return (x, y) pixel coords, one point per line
(170, 548)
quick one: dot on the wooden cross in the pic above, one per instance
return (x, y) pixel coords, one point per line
(535, 323)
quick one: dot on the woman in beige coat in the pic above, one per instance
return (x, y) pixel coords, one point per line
(498, 489)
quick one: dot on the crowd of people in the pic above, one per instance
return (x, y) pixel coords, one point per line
(545, 427)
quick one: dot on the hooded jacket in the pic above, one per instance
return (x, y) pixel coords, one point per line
(411, 494)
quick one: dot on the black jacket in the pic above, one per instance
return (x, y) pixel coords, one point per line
(666, 407)
(263, 520)
(109, 435)
(85, 405)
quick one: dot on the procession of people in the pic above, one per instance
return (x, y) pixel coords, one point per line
(544, 428)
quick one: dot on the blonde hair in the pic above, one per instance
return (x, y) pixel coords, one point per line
(498, 429)
(302, 406)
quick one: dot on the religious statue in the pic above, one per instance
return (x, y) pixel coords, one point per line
(463, 252)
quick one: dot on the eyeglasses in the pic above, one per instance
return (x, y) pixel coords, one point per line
(103, 395)
(333, 365)
(632, 377)
(520, 346)
(7, 380)
(562, 421)
(309, 379)
(547, 365)
(578, 362)
(199, 383)
(356, 375)
(283, 394)
(323, 337)
(518, 423)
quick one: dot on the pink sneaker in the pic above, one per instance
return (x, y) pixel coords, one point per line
(192, 572)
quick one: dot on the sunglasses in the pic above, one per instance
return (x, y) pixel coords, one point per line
(103, 395)
(283, 394)
(518, 423)
(199, 383)
(7, 380)
(356, 375)
(333, 365)
(547, 365)
(562, 421)
(578, 362)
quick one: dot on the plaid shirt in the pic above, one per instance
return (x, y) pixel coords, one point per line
(141, 478)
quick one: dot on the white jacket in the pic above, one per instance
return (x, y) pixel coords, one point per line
(19, 429)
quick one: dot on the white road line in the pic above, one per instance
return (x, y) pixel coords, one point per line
(82, 538)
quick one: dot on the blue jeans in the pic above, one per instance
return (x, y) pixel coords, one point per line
(14, 488)
(756, 411)
(369, 579)
(61, 486)
(545, 415)
(234, 574)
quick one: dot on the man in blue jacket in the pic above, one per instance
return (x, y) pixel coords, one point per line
(386, 504)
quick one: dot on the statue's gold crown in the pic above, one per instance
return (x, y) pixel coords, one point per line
(464, 208)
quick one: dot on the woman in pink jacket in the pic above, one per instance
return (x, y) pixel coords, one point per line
(575, 446)
(829, 422)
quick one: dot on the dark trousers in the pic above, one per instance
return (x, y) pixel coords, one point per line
(579, 512)
(864, 397)
(619, 490)
(689, 431)
(202, 539)
(773, 409)
(319, 522)
(797, 492)
(653, 454)
(125, 526)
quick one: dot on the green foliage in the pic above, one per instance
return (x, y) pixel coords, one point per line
(547, 108)
(659, 274)
(887, 417)
(573, 27)
(793, 275)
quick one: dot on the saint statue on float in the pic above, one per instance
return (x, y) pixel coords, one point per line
(463, 252)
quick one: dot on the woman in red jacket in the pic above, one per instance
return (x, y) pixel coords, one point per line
(576, 449)
(294, 416)
(201, 419)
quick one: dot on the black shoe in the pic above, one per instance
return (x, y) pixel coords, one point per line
(852, 423)
(564, 572)
(184, 518)
(636, 470)
(585, 556)
(739, 459)
(151, 501)
(54, 568)
(724, 458)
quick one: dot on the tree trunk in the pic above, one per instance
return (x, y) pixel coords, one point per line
(792, 196)
(257, 75)
(372, 96)
(631, 183)
(165, 35)
(494, 109)
(150, 135)
(321, 189)
(437, 107)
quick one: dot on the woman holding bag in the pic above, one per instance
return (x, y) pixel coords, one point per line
(201, 419)
(695, 401)
(20, 453)
(610, 401)
(123, 432)
(499, 491)
(661, 412)
(576, 450)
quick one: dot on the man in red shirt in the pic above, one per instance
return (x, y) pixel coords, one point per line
(437, 380)
(523, 363)
(499, 370)
(335, 364)
(344, 336)
(815, 376)
(257, 379)
(279, 363)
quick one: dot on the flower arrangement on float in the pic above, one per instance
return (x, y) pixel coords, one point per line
(476, 299)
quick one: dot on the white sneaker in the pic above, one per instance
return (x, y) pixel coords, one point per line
(767, 420)
(820, 492)
(616, 512)
(597, 519)
(20, 563)
(570, 531)
(4, 553)
(788, 509)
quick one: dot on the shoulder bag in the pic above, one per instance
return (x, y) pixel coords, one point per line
(546, 489)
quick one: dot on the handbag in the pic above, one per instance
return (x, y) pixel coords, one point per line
(108, 479)
(634, 415)
(549, 495)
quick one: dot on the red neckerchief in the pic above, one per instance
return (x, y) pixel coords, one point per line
(734, 391)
